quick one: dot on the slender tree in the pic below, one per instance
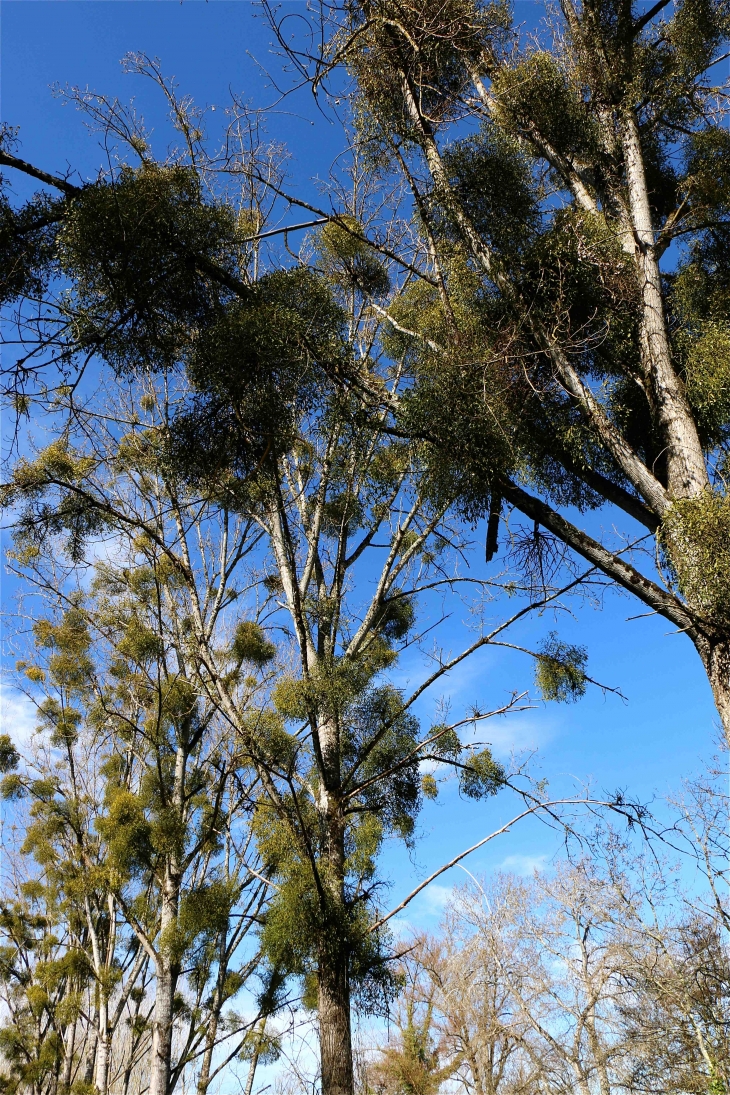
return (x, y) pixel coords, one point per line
(142, 821)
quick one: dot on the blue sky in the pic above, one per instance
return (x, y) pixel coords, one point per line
(644, 746)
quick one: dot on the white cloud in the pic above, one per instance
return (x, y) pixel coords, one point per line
(427, 907)
(18, 716)
(518, 732)
(524, 865)
(436, 897)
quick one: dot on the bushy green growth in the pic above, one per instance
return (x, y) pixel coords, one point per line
(382, 739)
(140, 644)
(274, 745)
(308, 923)
(254, 370)
(349, 261)
(577, 269)
(447, 745)
(27, 245)
(134, 248)
(46, 491)
(466, 412)
(539, 92)
(707, 368)
(329, 689)
(482, 776)
(342, 512)
(693, 34)
(251, 645)
(560, 670)
(429, 787)
(12, 788)
(695, 538)
(492, 180)
(265, 1047)
(396, 616)
(441, 36)
(314, 917)
(203, 914)
(126, 831)
(708, 169)
(9, 755)
(61, 720)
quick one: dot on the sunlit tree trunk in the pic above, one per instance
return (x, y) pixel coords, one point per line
(162, 1016)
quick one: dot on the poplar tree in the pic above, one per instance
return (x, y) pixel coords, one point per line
(288, 380)
(569, 323)
(359, 531)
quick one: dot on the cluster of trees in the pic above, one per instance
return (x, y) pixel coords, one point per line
(599, 975)
(260, 476)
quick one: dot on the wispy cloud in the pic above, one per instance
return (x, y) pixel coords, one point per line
(18, 716)
(524, 865)
(518, 732)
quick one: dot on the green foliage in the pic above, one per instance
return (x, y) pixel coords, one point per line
(250, 645)
(27, 245)
(9, 755)
(492, 180)
(539, 92)
(708, 169)
(204, 913)
(430, 41)
(134, 248)
(274, 745)
(342, 512)
(396, 616)
(126, 831)
(560, 670)
(254, 370)
(708, 379)
(482, 776)
(577, 271)
(259, 1044)
(348, 261)
(308, 922)
(62, 475)
(695, 538)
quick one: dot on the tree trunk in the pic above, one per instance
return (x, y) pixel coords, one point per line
(333, 980)
(717, 664)
(210, 1037)
(166, 982)
(686, 468)
(101, 1079)
(162, 1030)
(91, 1051)
(334, 1024)
(68, 1058)
(255, 1059)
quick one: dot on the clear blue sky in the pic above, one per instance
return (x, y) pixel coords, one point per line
(645, 746)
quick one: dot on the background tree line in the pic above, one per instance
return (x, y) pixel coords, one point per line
(601, 974)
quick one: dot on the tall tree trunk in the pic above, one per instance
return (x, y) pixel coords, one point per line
(210, 1037)
(333, 981)
(101, 1078)
(717, 663)
(91, 1051)
(68, 1057)
(686, 469)
(334, 1023)
(166, 982)
(255, 1059)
